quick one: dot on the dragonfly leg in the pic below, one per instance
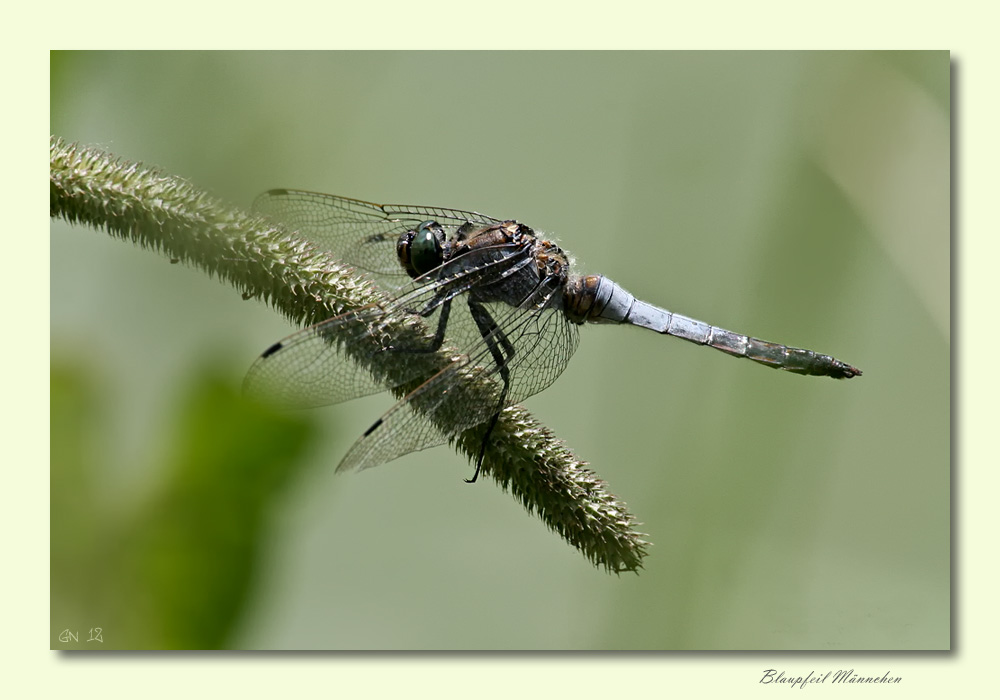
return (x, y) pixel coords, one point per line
(494, 338)
(441, 327)
(436, 342)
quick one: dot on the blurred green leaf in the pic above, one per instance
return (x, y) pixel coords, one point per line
(176, 571)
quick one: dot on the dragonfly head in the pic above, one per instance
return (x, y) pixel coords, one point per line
(420, 250)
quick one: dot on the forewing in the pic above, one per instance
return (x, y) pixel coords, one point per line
(313, 368)
(347, 356)
(361, 234)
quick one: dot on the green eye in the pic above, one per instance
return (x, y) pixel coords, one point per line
(425, 248)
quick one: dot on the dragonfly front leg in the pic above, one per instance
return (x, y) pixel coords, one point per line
(495, 339)
(434, 344)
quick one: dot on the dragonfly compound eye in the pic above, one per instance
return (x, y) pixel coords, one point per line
(421, 250)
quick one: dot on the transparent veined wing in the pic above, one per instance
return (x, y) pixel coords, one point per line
(361, 234)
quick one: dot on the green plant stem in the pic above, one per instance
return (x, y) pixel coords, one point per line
(265, 261)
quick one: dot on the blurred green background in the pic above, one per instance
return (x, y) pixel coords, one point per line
(799, 197)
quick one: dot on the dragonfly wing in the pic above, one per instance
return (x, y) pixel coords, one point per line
(409, 426)
(362, 234)
(312, 368)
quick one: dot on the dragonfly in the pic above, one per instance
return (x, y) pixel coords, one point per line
(496, 297)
